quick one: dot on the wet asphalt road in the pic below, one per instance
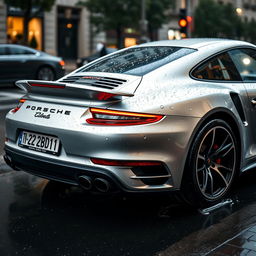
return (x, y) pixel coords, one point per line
(38, 217)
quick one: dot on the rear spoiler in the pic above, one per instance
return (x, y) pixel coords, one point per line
(60, 89)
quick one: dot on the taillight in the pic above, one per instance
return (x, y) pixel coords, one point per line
(21, 101)
(62, 63)
(108, 162)
(114, 117)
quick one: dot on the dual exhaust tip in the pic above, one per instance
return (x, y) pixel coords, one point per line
(87, 183)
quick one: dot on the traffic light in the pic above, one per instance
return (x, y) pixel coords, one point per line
(183, 22)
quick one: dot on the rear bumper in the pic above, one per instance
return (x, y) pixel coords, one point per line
(52, 171)
(68, 173)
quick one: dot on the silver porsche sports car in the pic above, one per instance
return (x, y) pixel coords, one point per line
(162, 116)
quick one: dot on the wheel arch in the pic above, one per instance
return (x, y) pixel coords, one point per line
(225, 115)
(218, 113)
(187, 180)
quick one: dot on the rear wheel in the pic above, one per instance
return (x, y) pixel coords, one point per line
(45, 73)
(212, 164)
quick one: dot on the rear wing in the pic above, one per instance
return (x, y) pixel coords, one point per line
(69, 90)
(90, 86)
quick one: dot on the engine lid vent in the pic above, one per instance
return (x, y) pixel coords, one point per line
(70, 79)
(102, 82)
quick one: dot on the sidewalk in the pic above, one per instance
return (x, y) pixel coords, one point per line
(226, 231)
(243, 244)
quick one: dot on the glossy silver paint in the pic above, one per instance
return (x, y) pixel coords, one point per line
(169, 90)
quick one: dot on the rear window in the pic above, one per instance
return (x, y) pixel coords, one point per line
(19, 50)
(139, 60)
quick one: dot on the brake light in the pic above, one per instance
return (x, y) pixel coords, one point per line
(57, 86)
(123, 162)
(62, 63)
(114, 117)
(21, 101)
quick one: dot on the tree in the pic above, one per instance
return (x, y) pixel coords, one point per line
(120, 14)
(109, 14)
(26, 7)
(213, 19)
(157, 15)
(251, 32)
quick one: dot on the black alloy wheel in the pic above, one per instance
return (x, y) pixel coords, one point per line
(212, 164)
(45, 73)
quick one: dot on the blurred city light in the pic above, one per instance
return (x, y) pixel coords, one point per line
(174, 34)
(246, 61)
(183, 23)
(69, 25)
(239, 11)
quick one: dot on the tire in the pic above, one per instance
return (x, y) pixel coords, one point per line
(212, 165)
(45, 73)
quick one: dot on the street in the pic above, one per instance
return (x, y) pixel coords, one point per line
(41, 217)
(130, 103)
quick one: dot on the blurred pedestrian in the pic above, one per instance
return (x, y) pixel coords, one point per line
(101, 49)
(9, 39)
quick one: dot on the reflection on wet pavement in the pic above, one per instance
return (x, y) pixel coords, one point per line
(38, 217)
(242, 244)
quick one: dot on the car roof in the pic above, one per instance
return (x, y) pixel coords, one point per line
(197, 43)
(19, 46)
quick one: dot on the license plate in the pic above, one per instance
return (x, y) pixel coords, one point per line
(39, 142)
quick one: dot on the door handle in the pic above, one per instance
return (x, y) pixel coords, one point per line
(253, 101)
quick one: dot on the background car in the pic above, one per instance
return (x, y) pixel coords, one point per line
(84, 60)
(21, 62)
(170, 116)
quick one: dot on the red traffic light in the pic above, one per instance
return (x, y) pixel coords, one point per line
(183, 23)
(189, 19)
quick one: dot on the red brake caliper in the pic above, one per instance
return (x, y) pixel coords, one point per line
(215, 146)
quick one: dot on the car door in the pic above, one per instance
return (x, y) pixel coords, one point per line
(21, 59)
(245, 61)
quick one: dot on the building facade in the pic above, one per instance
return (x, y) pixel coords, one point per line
(3, 35)
(67, 30)
(64, 31)
(244, 8)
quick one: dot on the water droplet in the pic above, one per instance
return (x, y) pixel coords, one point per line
(106, 138)
(161, 106)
